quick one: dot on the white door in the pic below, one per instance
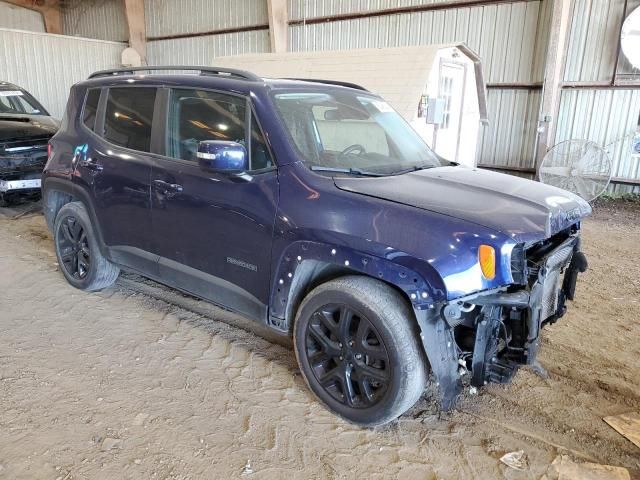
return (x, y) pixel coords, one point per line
(451, 90)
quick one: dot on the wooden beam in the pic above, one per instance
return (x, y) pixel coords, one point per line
(278, 25)
(554, 73)
(53, 17)
(49, 9)
(134, 10)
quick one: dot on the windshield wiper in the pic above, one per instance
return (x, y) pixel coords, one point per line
(415, 168)
(349, 171)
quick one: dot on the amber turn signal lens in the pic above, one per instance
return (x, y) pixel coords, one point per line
(487, 259)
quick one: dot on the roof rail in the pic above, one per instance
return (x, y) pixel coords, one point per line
(331, 82)
(228, 72)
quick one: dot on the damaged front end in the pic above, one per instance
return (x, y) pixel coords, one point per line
(491, 334)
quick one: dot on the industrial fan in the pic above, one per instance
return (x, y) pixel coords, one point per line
(579, 166)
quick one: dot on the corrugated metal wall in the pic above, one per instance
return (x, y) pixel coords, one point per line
(510, 38)
(101, 19)
(65, 59)
(593, 40)
(508, 141)
(607, 116)
(504, 35)
(610, 118)
(175, 17)
(20, 18)
(203, 50)
(187, 17)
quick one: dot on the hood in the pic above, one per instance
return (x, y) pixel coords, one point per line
(23, 127)
(522, 209)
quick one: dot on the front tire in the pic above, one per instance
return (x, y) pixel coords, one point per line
(358, 348)
(78, 252)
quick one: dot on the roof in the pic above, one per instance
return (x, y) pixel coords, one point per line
(399, 75)
(11, 86)
(240, 81)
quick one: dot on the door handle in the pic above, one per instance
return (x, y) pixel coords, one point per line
(91, 164)
(166, 187)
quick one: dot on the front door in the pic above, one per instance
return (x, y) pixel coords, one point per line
(213, 231)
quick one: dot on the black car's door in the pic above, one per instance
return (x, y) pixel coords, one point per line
(114, 167)
(213, 231)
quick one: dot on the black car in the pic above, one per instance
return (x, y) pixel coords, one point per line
(25, 130)
(313, 208)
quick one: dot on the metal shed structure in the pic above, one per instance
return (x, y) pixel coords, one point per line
(548, 64)
(438, 89)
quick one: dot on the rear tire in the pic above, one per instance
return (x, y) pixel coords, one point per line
(358, 348)
(78, 252)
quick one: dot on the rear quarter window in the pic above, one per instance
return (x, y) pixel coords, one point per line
(128, 117)
(90, 109)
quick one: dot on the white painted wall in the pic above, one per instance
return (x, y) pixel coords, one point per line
(61, 61)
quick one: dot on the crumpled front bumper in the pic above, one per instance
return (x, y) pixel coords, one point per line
(502, 327)
(525, 311)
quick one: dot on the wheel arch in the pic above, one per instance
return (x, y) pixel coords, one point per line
(56, 193)
(304, 265)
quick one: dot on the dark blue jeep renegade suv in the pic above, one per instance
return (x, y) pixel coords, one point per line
(313, 208)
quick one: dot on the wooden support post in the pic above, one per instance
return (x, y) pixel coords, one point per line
(553, 76)
(134, 10)
(49, 9)
(278, 25)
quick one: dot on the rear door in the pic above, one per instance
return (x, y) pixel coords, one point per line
(114, 167)
(213, 231)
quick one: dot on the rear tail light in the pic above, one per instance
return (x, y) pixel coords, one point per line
(49, 150)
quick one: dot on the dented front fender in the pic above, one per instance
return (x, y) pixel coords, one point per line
(303, 260)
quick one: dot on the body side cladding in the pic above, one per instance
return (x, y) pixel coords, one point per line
(305, 261)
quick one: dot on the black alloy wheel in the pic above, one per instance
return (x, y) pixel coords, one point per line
(358, 347)
(347, 356)
(78, 251)
(74, 248)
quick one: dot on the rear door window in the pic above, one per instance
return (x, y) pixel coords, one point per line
(91, 108)
(128, 117)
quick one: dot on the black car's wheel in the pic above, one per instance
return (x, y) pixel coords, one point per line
(77, 250)
(359, 350)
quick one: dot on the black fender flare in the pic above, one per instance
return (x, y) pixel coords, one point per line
(77, 195)
(298, 261)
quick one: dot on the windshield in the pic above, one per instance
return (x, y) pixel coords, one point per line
(17, 102)
(352, 132)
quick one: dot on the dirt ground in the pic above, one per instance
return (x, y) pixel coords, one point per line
(141, 382)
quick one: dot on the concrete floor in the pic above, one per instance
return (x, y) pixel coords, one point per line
(141, 382)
